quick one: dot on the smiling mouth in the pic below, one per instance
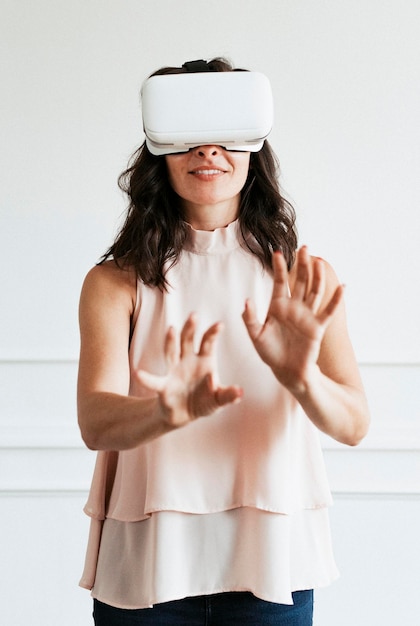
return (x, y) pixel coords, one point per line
(207, 172)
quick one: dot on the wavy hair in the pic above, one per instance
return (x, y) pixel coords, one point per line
(153, 234)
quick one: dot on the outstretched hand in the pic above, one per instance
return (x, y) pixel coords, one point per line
(290, 338)
(190, 389)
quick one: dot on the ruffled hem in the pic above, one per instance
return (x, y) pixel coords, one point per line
(175, 508)
(173, 555)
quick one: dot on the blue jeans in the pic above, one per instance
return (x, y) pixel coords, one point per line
(220, 609)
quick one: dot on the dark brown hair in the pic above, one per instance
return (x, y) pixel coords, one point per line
(153, 234)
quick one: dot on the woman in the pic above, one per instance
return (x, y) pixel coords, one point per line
(209, 499)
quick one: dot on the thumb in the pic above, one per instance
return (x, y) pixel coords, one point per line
(151, 381)
(229, 395)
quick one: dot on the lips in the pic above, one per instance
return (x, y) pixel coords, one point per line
(207, 171)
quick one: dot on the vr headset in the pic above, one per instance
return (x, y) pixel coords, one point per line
(230, 109)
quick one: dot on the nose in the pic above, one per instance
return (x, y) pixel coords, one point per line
(207, 151)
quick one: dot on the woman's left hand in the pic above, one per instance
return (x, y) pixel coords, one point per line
(290, 338)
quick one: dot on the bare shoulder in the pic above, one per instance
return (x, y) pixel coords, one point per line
(331, 279)
(109, 283)
(107, 302)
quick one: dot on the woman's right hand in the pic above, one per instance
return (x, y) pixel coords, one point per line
(111, 419)
(190, 388)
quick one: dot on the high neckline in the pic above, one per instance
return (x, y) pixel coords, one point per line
(213, 241)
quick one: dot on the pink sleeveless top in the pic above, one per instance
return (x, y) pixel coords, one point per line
(246, 485)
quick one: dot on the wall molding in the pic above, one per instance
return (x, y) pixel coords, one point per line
(44, 493)
(83, 494)
(41, 450)
(401, 437)
(68, 470)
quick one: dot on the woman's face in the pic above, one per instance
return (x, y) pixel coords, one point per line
(209, 180)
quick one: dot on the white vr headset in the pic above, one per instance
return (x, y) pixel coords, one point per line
(230, 109)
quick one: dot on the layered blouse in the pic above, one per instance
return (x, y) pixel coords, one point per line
(237, 501)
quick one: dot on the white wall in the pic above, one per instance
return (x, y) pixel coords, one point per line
(347, 131)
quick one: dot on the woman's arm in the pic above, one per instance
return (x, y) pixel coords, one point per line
(109, 419)
(304, 340)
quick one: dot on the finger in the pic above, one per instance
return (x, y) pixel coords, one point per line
(314, 297)
(251, 322)
(209, 339)
(325, 316)
(281, 275)
(171, 349)
(203, 401)
(302, 274)
(217, 395)
(229, 395)
(187, 336)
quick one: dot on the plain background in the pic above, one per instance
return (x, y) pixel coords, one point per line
(346, 81)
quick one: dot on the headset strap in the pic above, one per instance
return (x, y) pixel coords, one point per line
(197, 66)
